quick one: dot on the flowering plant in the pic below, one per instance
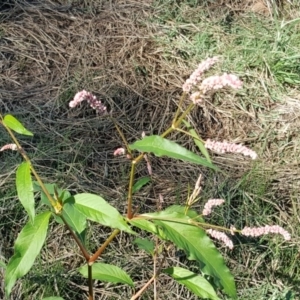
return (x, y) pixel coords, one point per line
(182, 225)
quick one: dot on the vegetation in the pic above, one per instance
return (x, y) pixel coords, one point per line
(135, 55)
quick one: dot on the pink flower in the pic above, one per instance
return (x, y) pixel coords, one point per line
(219, 82)
(223, 147)
(210, 204)
(90, 98)
(12, 147)
(196, 76)
(196, 97)
(258, 231)
(119, 151)
(221, 236)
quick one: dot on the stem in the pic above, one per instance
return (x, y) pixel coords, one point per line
(102, 248)
(121, 135)
(178, 107)
(152, 279)
(90, 282)
(129, 197)
(55, 204)
(77, 240)
(175, 124)
(187, 133)
(186, 221)
(139, 293)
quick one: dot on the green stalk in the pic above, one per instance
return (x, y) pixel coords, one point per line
(55, 204)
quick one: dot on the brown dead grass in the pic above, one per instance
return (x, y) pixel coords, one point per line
(50, 50)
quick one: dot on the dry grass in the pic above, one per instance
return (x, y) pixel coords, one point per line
(51, 49)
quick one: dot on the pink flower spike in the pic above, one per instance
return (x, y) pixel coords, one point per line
(90, 98)
(210, 204)
(258, 231)
(219, 82)
(12, 147)
(79, 97)
(196, 76)
(119, 151)
(223, 147)
(220, 236)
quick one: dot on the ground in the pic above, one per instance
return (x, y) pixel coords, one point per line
(135, 56)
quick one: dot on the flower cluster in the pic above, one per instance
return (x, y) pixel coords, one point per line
(13, 147)
(223, 147)
(208, 84)
(210, 204)
(119, 151)
(248, 231)
(220, 236)
(219, 82)
(258, 231)
(196, 76)
(90, 98)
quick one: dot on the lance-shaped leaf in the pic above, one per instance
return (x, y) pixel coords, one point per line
(145, 244)
(197, 245)
(12, 123)
(108, 273)
(197, 140)
(195, 283)
(182, 210)
(27, 246)
(147, 226)
(140, 183)
(164, 147)
(95, 208)
(75, 219)
(53, 298)
(25, 188)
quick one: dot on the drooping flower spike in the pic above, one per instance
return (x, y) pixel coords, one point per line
(258, 231)
(91, 99)
(210, 204)
(221, 236)
(12, 147)
(196, 76)
(223, 147)
(199, 86)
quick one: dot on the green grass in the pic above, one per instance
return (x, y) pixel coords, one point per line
(256, 48)
(73, 148)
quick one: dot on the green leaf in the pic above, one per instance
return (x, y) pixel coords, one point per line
(197, 245)
(51, 187)
(145, 244)
(147, 226)
(53, 298)
(140, 183)
(107, 273)
(95, 208)
(12, 123)
(25, 188)
(182, 210)
(75, 219)
(2, 264)
(27, 246)
(195, 283)
(197, 140)
(160, 147)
